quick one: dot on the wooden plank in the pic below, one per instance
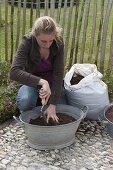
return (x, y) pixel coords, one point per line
(68, 28)
(110, 62)
(46, 7)
(24, 18)
(6, 30)
(85, 31)
(52, 8)
(79, 30)
(12, 30)
(31, 15)
(93, 31)
(74, 34)
(0, 27)
(64, 16)
(99, 32)
(37, 8)
(104, 35)
(18, 23)
(59, 11)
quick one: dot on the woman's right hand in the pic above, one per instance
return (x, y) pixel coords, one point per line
(45, 91)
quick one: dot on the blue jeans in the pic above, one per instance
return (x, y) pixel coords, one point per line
(27, 98)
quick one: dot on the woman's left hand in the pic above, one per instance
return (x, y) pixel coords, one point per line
(51, 113)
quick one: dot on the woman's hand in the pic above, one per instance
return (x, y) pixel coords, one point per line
(51, 113)
(45, 91)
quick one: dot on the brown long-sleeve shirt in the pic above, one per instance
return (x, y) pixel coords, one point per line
(28, 56)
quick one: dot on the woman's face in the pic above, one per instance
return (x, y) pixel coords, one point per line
(45, 40)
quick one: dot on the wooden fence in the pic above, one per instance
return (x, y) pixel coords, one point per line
(87, 28)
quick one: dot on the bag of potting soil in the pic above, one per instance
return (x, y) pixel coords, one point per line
(83, 86)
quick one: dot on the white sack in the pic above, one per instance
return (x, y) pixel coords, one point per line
(90, 91)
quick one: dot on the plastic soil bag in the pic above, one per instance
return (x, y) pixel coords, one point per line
(83, 86)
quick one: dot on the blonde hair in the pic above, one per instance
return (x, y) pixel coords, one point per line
(46, 25)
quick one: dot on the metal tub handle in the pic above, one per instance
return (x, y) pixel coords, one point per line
(101, 119)
(19, 121)
(84, 108)
(85, 111)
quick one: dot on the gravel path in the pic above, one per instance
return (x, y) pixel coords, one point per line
(92, 150)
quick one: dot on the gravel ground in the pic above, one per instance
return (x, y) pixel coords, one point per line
(92, 150)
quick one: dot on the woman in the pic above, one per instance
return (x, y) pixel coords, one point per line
(40, 62)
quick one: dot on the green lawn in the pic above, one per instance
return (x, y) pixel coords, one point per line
(88, 35)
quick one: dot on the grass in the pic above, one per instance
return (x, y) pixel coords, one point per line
(88, 34)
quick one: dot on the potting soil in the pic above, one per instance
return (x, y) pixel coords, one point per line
(76, 79)
(63, 119)
(109, 114)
